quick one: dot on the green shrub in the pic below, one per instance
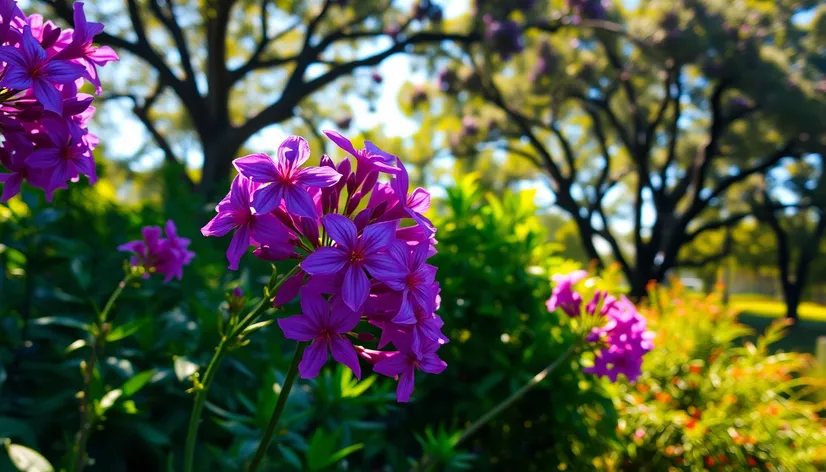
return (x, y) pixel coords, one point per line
(707, 400)
(495, 262)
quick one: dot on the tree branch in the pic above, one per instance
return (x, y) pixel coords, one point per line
(717, 224)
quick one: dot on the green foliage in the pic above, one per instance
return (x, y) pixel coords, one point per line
(494, 269)
(708, 400)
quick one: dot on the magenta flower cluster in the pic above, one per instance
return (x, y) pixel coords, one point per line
(621, 342)
(43, 116)
(158, 255)
(358, 259)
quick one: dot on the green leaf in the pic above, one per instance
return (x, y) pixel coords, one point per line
(150, 434)
(290, 456)
(128, 329)
(81, 276)
(16, 429)
(109, 399)
(27, 460)
(75, 346)
(257, 326)
(342, 453)
(184, 368)
(133, 385)
(60, 321)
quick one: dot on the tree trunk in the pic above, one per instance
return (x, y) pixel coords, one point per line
(792, 295)
(218, 156)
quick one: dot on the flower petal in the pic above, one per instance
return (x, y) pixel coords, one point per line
(341, 229)
(238, 246)
(431, 364)
(384, 267)
(222, 224)
(378, 236)
(267, 198)
(315, 356)
(62, 72)
(405, 387)
(11, 187)
(314, 306)
(48, 96)
(340, 141)
(258, 167)
(356, 287)
(240, 192)
(266, 229)
(299, 328)
(342, 318)
(289, 289)
(393, 365)
(344, 353)
(324, 261)
(299, 202)
(320, 177)
(406, 315)
(294, 151)
(419, 201)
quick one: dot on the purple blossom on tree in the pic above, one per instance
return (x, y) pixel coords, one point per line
(564, 296)
(625, 339)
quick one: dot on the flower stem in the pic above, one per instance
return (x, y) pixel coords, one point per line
(504, 404)
(227, 342)
(279, 407)
(98, 343)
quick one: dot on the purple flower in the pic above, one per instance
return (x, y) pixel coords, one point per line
(414, 205)
(625, 340)
(504, 37)
(257, 229)
(166, 256)
(29, 67)
(353, 254)
(283, 178)
(370, 158)
(414, 280)
(81, 46)
(66, 158)
(403, 365)
(564, 296)
(325, 324)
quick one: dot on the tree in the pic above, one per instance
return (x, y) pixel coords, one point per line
(655, 116)
(798, 226)
(220, 61)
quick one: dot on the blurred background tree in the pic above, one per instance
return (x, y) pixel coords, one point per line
(649, 122)
(204, 77)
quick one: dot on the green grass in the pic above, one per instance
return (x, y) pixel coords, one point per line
(758, 312)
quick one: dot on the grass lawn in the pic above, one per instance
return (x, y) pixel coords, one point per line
(759, 311)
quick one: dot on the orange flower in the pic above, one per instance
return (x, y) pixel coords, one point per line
(751, 461)
(695, 369)
(709, 461)
(691, 423)
(663, 397)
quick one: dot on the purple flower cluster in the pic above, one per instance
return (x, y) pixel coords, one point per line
(356, 260)
(155, 254)
(503, 37)
(623, 340)
(43, 117)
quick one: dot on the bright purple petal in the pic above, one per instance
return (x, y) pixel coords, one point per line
(299, 328)
(356, 287)
(377, 237)
(31, 49)
(48, 96)
(295, 150)
(13, 56)
(62, 72)
(102, 55)
(406, 315)
(315, 356)
(320, 177)
(299, 202)
(325, 261)
(394, 365)
(405, 387)
(431, 364)
(340, 141)
(222, 224)
(240, 193)
(344, 352)
(266, 229)
(11, 187)
(419, 201)
(342, 318)
(258, 167)
(341, 229)
(314, 306)
(289, 289)
(384, 267)
(239, 246)
(267, 198)
(45, 158)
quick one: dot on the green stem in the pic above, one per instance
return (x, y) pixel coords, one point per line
(279, 408)
(86, 414)
(502, 406)
(202, 388)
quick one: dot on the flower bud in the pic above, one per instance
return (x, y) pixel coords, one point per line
(369, 182)
(353, 203)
